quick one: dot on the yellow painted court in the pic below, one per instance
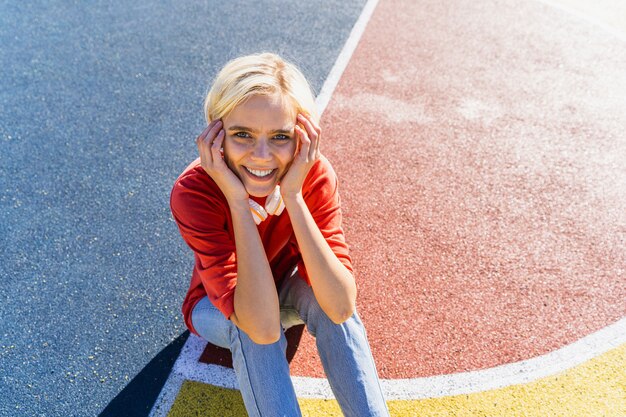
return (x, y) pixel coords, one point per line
(596, 388)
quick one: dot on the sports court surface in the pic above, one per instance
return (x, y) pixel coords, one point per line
(482, 160)
(481, 155)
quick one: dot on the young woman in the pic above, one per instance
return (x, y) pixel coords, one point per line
(261, 211)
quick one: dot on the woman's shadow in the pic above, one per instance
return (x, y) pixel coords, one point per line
(139, 396)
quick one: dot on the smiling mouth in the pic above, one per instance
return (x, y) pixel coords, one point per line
(260, 173)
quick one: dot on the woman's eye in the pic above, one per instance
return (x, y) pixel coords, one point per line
(281, 137)
(242, 135)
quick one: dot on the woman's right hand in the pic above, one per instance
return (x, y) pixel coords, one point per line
(209, 146)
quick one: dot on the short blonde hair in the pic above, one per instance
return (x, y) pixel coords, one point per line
(258, 74)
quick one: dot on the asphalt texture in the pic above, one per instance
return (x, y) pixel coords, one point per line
(100, 104)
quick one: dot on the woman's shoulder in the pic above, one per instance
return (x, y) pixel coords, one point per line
(194, 177)
(321, 182)
(190, 173)
(195, 185)
(322, 169)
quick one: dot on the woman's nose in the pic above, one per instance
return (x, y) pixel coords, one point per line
(261, 150)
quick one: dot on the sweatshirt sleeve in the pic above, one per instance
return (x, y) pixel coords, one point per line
(201, 213)
(321, 195)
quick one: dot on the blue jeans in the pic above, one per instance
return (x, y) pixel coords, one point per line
(263, 372)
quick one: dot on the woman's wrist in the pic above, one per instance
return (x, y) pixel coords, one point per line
(239, 207)
(292, 200)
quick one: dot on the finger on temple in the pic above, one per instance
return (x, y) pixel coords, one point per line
(305, 142)
(308, 126)
(217, 142)
(217, 126)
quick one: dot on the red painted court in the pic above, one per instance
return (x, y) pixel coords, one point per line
(483, 173)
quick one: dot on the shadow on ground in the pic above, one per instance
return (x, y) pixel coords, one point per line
(140, 394)
(137, 399)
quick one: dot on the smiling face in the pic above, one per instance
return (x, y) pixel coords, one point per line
(260, 143)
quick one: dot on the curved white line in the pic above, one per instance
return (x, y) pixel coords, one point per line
(587, 348)
(516, 373)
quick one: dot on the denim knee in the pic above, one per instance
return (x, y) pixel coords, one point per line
(241, 338)
(316, 319)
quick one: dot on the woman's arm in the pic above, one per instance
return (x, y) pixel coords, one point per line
(256, 309)
(256, 301)
(332, 283)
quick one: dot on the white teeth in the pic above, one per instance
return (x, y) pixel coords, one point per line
(260, 173)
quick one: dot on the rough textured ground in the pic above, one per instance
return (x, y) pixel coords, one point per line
(100, 104)
(481, 155)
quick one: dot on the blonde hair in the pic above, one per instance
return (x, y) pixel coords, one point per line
(258, 74)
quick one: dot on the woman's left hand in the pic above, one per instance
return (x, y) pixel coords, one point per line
(307, 153)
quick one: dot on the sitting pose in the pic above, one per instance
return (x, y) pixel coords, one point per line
(261, 211)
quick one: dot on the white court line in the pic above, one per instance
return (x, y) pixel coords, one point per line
(344, 57)
(579, 14)
(187, 366)
(570, 356)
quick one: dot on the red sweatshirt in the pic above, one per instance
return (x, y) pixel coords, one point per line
(204, 219)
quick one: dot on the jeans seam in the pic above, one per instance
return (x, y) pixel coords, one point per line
(245, 362)
(371, 357)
